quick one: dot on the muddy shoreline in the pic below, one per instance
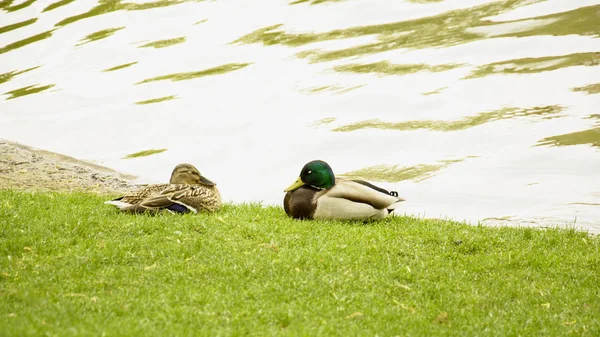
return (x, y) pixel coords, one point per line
(26, 168)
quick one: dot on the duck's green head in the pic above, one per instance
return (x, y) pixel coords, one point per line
(189, 175)
(316, 173)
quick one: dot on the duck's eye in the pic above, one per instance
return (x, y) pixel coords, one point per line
(309, 172)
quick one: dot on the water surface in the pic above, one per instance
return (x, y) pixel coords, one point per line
(477, 110)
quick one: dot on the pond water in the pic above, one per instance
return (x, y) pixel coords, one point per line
(484, 111)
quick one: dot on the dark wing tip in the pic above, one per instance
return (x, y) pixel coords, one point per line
(178, 208)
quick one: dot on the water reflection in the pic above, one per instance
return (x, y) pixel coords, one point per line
(386, 68)
(445, 29)
(589, 89)
(144, 153)
(10, 75)
(57, 5)
(331, 89)
(164, 43)
(26, 41)
(545, 112)
(590, 137)
(108, 6)
(28, 90)
(157, 100)
(99, 35)
(312, 2)
(537, 64)
(6, 5)
(121, 66)
(395, 173)
(17, 25)
(195, 74)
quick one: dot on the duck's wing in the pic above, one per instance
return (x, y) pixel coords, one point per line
(176, 197)
(363, 193)
(377, 188)
(142, 194)
(346, 209)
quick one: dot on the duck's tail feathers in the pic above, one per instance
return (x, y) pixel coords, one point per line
(121, 205)
(393, 206)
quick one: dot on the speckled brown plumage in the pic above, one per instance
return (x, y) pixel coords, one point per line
(186, 191)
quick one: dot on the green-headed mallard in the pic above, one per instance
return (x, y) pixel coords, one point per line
(187, 191)
(317, 194)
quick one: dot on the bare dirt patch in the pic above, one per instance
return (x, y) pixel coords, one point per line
(26, 168)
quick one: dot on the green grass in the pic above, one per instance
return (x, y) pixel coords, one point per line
(72, 266)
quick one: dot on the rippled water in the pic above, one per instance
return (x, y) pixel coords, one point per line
(473, 110)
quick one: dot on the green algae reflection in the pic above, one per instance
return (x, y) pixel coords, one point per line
(537, 64)
(28, 90)
(195, 74)
(121, 66)
(590, 137)
(312, 2)
(17, 25)
(6, 5)
(446, 29)
(386, 68)
(26, 41)
(164, 43)
(589, 89)
(157, 100)
(424, 1)
(57, 4)
(334, 89)
(324, 121)
(547, 112)
(434, 92)
(580, 21)
(144, 153)
(99, 35)
(108, 6)
(11, 74)
(395, 173)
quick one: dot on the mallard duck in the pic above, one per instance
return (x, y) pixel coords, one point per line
(187, 191)
(317, 194)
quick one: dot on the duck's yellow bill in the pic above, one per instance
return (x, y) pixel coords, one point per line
(297, 184)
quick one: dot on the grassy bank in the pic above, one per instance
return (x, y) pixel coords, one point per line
(72, 266)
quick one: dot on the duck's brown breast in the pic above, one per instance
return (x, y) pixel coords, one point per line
(300, 203)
